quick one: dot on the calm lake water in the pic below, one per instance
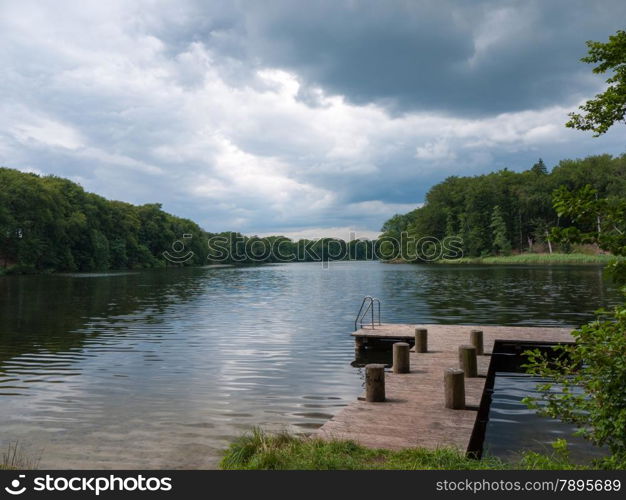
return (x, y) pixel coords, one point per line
(513, 427)
(161, 369)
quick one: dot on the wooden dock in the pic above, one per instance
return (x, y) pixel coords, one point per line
(414, 413)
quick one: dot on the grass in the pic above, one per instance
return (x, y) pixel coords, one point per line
(258, 450)
(14, 458)
(535, 258)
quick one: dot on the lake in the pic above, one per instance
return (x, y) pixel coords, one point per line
(161, 369)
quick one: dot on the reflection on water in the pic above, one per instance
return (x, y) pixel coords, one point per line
(513, 427)
(163, 368)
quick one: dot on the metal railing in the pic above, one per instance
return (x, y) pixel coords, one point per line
(368, 306)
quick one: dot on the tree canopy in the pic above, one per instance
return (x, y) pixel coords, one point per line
(48, 223)
(512, 211)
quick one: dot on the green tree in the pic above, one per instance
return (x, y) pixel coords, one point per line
(601, 221)
(501, 243)
(462, 206)
(587, 380)
(605, 109)
(539, 168)
(541, 232)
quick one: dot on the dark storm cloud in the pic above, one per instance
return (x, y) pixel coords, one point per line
(296, 117)
(470, 57)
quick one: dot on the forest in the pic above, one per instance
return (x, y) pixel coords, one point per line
(507, 212)
(49, 224)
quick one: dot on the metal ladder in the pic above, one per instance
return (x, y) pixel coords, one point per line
(368, 306)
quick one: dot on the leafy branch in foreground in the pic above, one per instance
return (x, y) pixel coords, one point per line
(587, 379)
(605, 109)
(599, 220)
(587, 382)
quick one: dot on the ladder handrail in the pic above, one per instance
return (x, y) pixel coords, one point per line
(358, 315)
(371, 303)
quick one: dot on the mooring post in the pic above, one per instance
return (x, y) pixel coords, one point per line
(421, 340)
(476, 339)
(401, 363)
(454, 386)
(374, 383)
(467, 360)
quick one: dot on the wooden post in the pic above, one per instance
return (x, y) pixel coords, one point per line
(421, 340)
(467, 360)
(476, 339)
(401, 363)
(374, 383)
(454, 385)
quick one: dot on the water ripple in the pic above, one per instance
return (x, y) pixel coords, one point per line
(160, 369)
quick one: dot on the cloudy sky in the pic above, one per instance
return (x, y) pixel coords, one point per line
(300, 118)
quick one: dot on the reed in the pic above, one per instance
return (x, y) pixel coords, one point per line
(535, 258)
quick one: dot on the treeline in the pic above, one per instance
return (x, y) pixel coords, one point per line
(504, 212)
(233, 248)
(48, 223)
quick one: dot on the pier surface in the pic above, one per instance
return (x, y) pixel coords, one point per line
(414, 413)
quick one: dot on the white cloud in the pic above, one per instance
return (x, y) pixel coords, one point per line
(141, 106)
(48, 132)
(346, 233)
(437, 150)
(263, 179)
(32, 129)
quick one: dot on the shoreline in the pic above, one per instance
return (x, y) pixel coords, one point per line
(538, 258)
(522, 259)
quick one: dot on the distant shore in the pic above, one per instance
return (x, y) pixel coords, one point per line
(535, 258)
(524, 258)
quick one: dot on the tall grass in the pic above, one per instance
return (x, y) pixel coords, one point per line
(259, 450)
(15, 458)
(535, 258)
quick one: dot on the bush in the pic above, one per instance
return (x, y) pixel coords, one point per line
(588, 383)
